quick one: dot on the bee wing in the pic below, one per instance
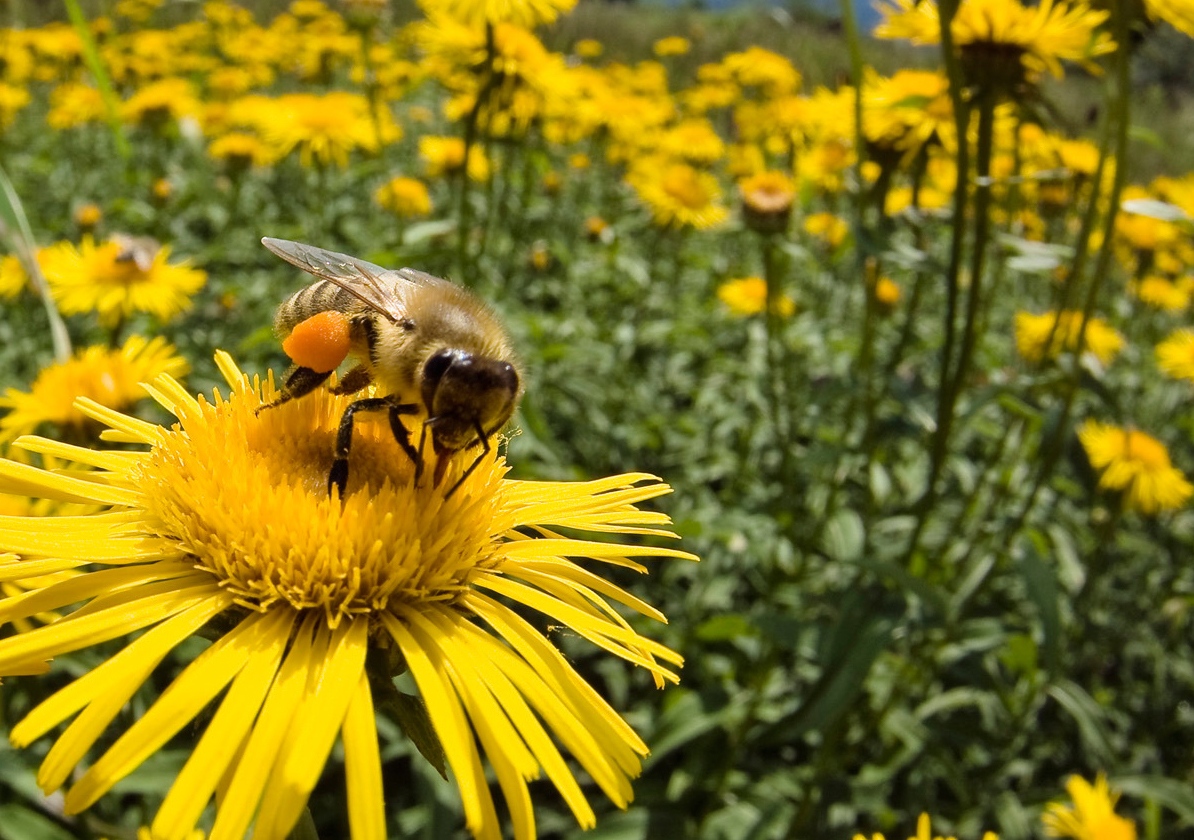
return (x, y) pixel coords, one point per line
(363, 280)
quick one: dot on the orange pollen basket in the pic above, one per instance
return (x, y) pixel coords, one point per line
(320, 343)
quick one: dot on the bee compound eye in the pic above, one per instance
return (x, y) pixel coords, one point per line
(436, 366)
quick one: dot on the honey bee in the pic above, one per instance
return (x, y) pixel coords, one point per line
(432, 347)
(139, 250)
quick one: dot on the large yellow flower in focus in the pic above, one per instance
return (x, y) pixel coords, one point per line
(118, 279)
(227, 515)
(107, 376)
(1136, 464)
(1092, 816)
(1040, 36)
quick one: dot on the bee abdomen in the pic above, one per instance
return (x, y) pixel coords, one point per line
(321, 296)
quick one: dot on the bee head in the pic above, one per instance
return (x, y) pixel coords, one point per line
(464, 393)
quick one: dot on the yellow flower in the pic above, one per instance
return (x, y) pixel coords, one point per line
(445, 155)
(1002, 42)
(161, 102)
(679, 195)
(443, 581)
(1162, 294)
(748, 296)
(923, 832)
(241, 150)
(827, 227)
(117, 279)
(1093, 815)
(482, 13)
(767, 200)
(12, 100)
(110, 377)
(1034, 343)
(692, 140)
(1177, 13)
(325, 128)
(87, 215)
(1175, 355)
(589, 48)
(673, 45)
(407, 197)
(73, 104)
(887, 292)
(1138, 465)
(13, 278)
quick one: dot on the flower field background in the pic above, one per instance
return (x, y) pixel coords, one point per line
(921, 384)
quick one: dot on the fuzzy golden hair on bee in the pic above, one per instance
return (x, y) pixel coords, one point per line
(434, 350)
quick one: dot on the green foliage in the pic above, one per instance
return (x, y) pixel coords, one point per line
(871, 634)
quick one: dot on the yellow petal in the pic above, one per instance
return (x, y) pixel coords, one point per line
(362, 767)
(221, 740)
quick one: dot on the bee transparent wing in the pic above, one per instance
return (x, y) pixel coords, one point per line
(420, 278)
(361, 279)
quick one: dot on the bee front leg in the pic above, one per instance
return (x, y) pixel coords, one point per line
(402, 435)
(485, 447)
(338, 475)
(297, 382)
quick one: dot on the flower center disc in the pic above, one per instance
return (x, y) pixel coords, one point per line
(246, 495)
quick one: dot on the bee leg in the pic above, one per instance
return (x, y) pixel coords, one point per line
(338, 475)
(296, 382)
(353, 381)
(485, 447)
(402, 435)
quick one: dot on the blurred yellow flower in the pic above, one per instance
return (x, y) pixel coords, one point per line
(12, 100)
(589, 48)
(406, 197)
(1177, 13)
(1137, 465)
(1033, 336)
(482, 13)
(325, 128)
(827, 227)
(767, 200)
(117, 280)
(693, 140)
(74, 104)
(87, 215)
(678, 195)
(161, 102)
(1161, 293)
(13, 278)
(1175, 355)
(240, 150)
(923, 832)
(887, 292)
(672, 45)
(445, 155)
(992, 33)
(110, 377)
(748, 296)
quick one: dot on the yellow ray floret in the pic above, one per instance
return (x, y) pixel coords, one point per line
(186, 536)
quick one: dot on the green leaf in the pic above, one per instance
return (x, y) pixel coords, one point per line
(422, 231)
(1088, 715)
(683, 721)
(20, 823)
(95, 64)
(410, 713)
(844, 536)
(724, 628)
(1175, 794)
(1041, 585)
